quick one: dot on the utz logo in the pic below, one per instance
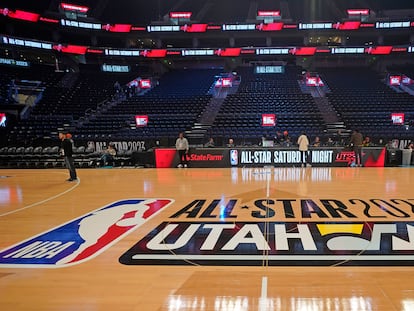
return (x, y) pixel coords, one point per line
(83, 238)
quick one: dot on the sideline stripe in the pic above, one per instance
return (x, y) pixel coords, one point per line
(272, 257)
(263, 297)
(43, 201)
(267, 221)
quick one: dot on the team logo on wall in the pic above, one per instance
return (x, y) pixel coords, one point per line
(300, 232)
(83, 238)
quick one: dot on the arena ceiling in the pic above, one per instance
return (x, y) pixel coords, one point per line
(147, 11)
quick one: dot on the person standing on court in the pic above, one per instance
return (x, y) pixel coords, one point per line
(356, 142)
(181, 144)
(303, 143)
(67, 152)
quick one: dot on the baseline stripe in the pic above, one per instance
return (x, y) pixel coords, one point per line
(272, 257)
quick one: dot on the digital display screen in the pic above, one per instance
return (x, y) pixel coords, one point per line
(163, 28)
(3, 119)
(86, 25)
(113, 52)
(181, 15)
(268, 119)
(303, 51)
(141, 120)
(268, 13)
(22, 15)
(392, 24)
(115, 68)
(27, 43)
(406, 80)
(348, 25)
(269, 69)
(353, 50)
(72, 49)
(268, 143)
(238, 27)
(224, 82)
(228, 52)
(354, 12)
(397, 118)
(395, 80)
(74, 7)
(117, 27)
(270, 27)
(14, 62)
(201, 52)
(145, 83)
(194, 28)
(379, 50)
(314, 81)
(315, 26)
(272, 51)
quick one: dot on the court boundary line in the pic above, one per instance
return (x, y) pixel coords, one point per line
(275, 258)
(263, 297)
(265, 263)
(43, 201)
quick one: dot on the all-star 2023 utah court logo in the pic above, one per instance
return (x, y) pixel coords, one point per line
(305, 232)
(283, 231)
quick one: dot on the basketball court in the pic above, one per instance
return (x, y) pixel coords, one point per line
(207, 239)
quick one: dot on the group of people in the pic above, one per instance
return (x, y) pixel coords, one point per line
(211, 143)
(356, 142)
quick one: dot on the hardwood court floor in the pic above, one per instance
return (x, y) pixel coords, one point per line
(35, 201)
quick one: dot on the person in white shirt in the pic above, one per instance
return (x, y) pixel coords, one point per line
(303, 143)
(181, 144)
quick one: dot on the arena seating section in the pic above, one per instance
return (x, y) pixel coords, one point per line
(365, 102)
(172, 107)
(240, 114)
(85, 103)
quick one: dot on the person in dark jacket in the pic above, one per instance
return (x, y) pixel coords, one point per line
(356, 143)
(67, 152)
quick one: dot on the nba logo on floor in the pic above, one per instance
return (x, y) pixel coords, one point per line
(83, 238)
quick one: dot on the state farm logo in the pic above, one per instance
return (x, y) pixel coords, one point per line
(289, 231)
(205, 157)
